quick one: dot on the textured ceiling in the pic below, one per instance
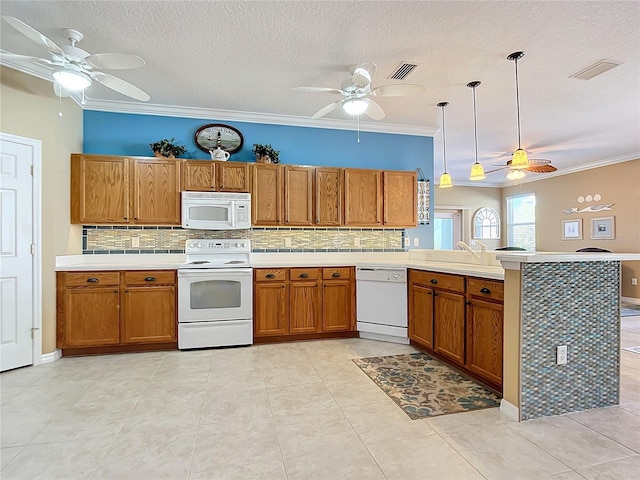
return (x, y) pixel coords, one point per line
(245, 56)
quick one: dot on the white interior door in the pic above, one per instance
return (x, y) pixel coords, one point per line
(16, 258)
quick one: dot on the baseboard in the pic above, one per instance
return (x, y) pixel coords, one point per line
(50, 357)
(631, 300)
(509, 410)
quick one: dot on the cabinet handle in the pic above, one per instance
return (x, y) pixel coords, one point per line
(336, 274)
(485, 290)
(150, 279)
(270, 275)
(467, 303)
(92, 280)
(125, 218)
(135, 218)
(304, 275)
(433, 280)
(429, 293)
(435, 294)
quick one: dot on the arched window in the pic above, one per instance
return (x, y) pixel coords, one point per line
(486, 224)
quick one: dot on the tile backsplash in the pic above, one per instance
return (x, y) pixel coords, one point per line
(152, 239)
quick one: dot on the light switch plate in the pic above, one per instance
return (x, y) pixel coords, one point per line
(407, 241)
(416, 241)
(135, 242)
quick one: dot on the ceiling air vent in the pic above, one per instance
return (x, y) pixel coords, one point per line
(595, 70)
(403, 70)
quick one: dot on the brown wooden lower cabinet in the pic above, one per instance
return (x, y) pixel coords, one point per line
(460, 320)
(298, 303)
(101, 312)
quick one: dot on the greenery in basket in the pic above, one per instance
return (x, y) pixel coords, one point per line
(266, 150)
(168, 148)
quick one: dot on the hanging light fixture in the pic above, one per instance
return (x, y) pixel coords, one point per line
(477, 172)
(519, 159)
(515, 174)
(445, 178)
(355, 106)
(72, 80)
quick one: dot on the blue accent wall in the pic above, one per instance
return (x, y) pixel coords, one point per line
(130, 134)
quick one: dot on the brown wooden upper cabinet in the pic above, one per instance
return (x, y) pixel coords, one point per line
(111, 190)
(329, 196)
(298, 195)
(266, 194)
(362, 197)
(209, 175)
(399, 199)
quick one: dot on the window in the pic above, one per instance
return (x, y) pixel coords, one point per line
(521, 221)
(486, 224)
(446, 229)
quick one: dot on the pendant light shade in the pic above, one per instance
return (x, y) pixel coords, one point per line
(519, 159)
(72, 80)
(477, 172)
(445, 178)
(515, 174)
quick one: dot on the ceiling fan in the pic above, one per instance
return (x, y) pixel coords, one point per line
(358, 94)
(74, 69)
(536, 165)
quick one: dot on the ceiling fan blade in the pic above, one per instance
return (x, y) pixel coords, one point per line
(328, 109)
(120, 86)
(318, 89)
(115, 61)
(32, 34)
(25, 58)
(363, 74)
(398, 90)
(374, 110)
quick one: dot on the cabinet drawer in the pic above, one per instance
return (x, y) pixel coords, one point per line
(148, 277)
(480, 287)
(270, 274)
(304, 274)
(87, 279)
(445, 281)
(336, 272)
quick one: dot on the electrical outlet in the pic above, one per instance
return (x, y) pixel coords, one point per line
(287, 241)
(634, 281)
(416, 241)
(561, 355)
(135, 242)
(407, 241)
(356, 241)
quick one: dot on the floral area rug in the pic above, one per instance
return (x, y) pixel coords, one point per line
(424, 386)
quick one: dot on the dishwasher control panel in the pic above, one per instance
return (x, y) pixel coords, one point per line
(382, 274)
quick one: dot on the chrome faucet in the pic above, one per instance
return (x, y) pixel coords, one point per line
(466, 247)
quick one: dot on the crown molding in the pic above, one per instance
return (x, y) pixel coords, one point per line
(253, 117)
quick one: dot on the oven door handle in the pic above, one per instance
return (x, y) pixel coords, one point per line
(210, 272)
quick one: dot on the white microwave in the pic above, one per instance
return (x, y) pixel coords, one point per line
(216, 210)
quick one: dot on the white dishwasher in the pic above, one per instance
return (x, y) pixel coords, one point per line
(381, 294)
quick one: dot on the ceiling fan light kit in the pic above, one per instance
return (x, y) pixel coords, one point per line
(515, 174)
(477, 171)
(355, 106)
(519, 159)
(445, 178)
(72, 80)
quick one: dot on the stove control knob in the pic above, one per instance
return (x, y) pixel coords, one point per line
(199, 245)
(191, 245)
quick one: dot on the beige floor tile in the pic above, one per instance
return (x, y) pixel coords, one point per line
(498, 452)
(421, 458)
(357, 391)
(571, 475)
(625, 469)
(235, 445)
(619, 425)
(352, 464)
(79, 429)
(56, 461)
(273, 470)
(246, 407)
(20, 428)
(44, 398)
(302, 435)
(8, 454)
(282, 376)
(463, 420)
(7, 393)
(570, 442)
(311, 398)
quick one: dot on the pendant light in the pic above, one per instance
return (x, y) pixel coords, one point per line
(477, 172)
(445, 178)
(519, 159)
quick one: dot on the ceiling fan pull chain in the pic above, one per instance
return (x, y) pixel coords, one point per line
(60, 105)
(358, 128)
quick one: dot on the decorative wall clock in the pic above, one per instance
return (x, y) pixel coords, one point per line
(206, 137)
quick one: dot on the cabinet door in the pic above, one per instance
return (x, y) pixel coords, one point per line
(156, 191)
(149, 314)
(399, 199)
(362, 197)
(199, 175)
(421, 314)
(329, 196)
(304, 307)
(298, 195)
(232, 176)
(270, 309)
(337, 306)
(448, 324)
(484, 339)
(99, 189)
(266, 195)
(91, 316)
